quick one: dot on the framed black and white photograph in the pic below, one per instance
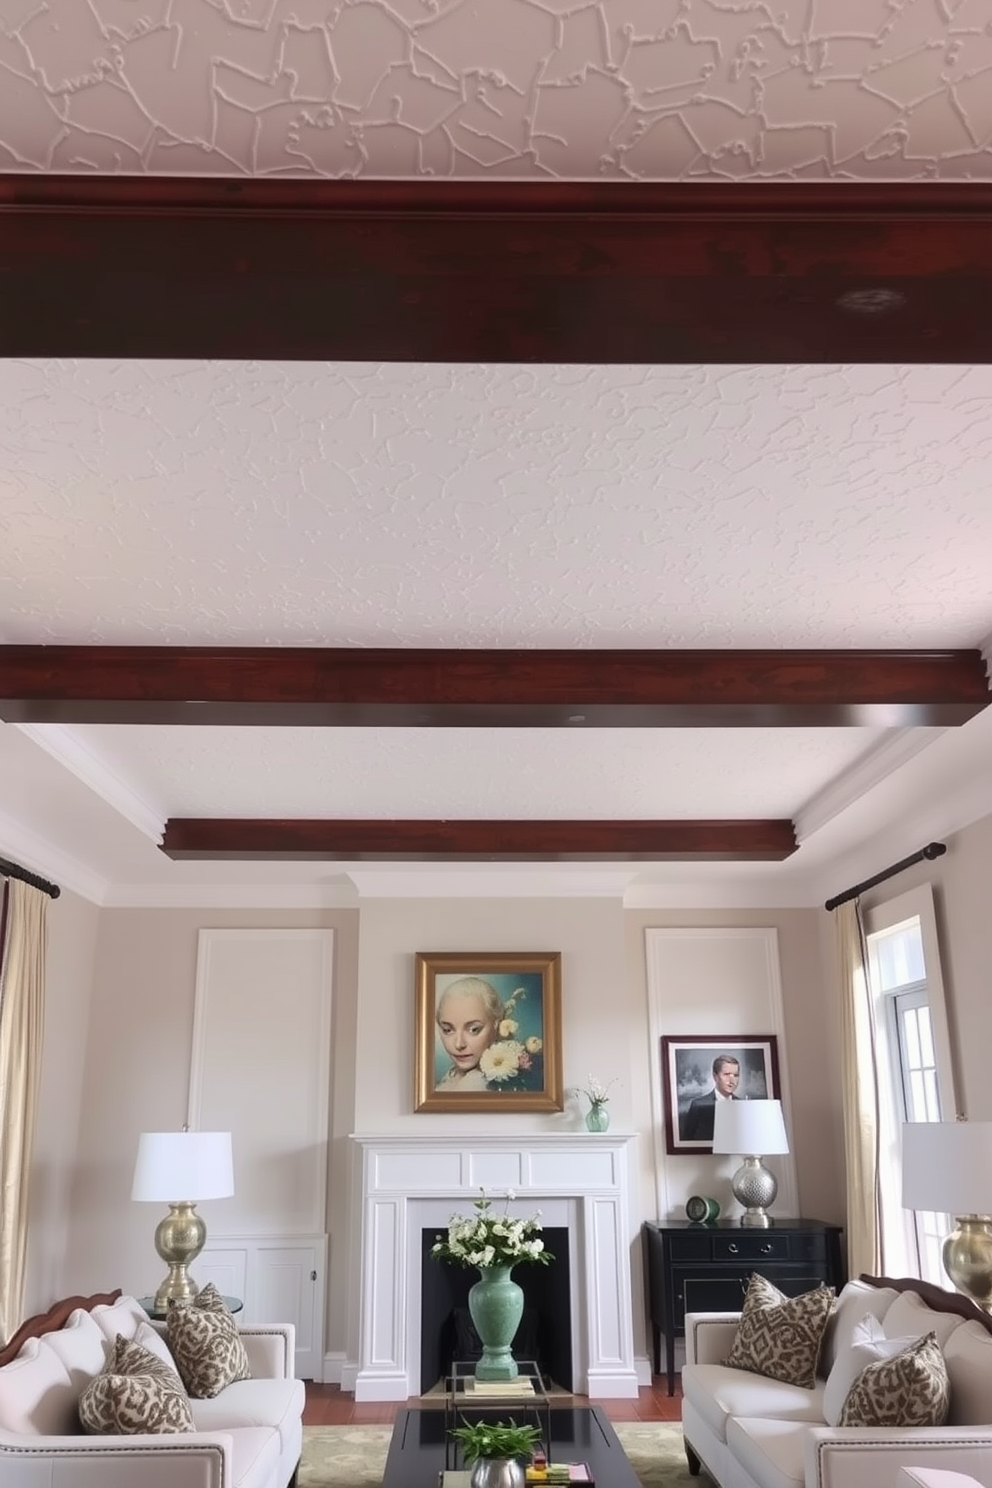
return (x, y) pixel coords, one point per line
(488, 1031)
(699, 1070)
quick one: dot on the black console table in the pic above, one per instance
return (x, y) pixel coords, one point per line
(705, 1268)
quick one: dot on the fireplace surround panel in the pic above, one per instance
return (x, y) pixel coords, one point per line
(579, 1182)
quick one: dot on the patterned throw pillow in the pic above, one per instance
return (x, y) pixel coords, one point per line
(780, 1336)
(910, 1390)
(206, 1345)
(134, 1392)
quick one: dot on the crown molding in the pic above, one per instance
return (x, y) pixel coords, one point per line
(724, 894)
(38, 854)
(479, 881)
(264, 896)
(68, 750)
(874, 766)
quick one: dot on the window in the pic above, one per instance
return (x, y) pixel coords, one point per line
(913, 1058)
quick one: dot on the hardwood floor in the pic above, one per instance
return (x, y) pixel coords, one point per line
(328, 1405)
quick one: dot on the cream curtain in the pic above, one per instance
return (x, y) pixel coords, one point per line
(865, 1250)
(23, 911)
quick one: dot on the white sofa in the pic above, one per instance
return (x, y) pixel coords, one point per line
(248, 1436)
(751, 1432)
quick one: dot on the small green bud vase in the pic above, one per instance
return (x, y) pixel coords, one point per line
(496, 1305)
(598, 1117)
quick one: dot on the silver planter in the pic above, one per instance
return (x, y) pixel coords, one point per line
(497, 1472)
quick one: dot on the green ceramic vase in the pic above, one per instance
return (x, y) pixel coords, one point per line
(598, 1117)
(496, 1305)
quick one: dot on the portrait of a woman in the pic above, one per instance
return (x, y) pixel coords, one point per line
(488, 1031)
(486, 1042)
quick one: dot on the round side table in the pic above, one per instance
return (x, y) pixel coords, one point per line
(233, 1304)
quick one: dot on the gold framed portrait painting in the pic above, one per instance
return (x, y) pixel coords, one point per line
(488, 1034)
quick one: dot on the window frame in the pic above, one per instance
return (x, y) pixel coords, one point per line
(910, 1240)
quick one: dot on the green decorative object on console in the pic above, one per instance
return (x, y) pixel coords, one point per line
(598, 1117)
(702, 1210)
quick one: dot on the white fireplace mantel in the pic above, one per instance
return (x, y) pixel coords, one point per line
(578, 1180)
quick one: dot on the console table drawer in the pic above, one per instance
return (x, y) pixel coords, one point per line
(753, 1247)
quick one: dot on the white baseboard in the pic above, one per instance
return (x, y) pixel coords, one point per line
(335, 1363)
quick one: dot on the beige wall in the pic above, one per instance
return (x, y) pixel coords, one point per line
(136, 1077)
(600, 1013)
(810, 1046)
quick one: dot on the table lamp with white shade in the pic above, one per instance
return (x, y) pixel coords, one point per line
(947, 1169)
(753, 1129)
(181, 1169)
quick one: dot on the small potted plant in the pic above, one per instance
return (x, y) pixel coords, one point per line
(492, 1449)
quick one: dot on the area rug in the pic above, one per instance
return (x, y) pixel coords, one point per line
(354, 1456)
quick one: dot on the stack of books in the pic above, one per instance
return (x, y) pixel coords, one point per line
(522, 1385)
(557, 1473)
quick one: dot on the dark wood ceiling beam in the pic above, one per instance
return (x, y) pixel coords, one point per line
(480, 841)
(495, 272)
(346, 687)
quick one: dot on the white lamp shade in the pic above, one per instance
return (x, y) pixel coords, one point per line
(947, 1166)
(176, 1166)
(753, 1128)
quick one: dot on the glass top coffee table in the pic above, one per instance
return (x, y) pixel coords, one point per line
(580, 1433)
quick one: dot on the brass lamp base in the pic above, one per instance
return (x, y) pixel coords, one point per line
(179, 1238)
(967, 1256)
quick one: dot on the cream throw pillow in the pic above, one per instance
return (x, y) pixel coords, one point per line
(779, 1336)
(134, 1393)
(151, 1339)
(868, 1345)
(206, 1345)
(911, 1389)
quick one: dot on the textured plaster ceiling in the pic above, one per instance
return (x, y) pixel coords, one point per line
(439, 506)
(533, 89)
(495, 506)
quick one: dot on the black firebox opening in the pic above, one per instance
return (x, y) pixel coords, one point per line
(545, 1332)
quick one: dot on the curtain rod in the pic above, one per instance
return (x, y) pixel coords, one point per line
(14, 870)
(932, 850)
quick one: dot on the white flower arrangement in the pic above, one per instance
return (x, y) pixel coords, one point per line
(485, 1239)
(595, 1092)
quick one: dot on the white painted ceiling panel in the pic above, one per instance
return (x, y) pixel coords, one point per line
(500, 773)
(530, 89)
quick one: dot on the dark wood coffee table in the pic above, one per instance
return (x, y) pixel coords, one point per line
(580, 1433)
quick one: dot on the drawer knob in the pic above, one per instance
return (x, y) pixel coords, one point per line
(733, 1248)
(766, 1249)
